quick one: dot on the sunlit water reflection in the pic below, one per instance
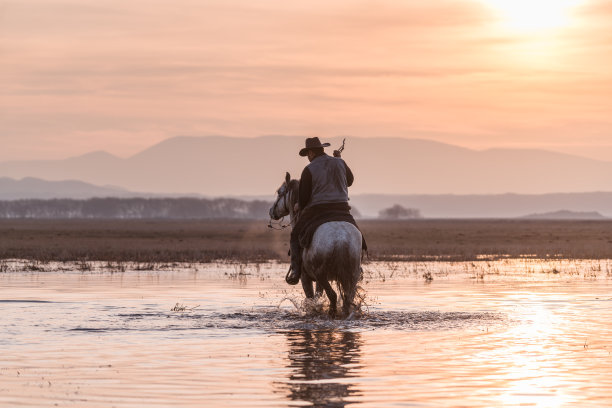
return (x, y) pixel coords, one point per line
(507, 333)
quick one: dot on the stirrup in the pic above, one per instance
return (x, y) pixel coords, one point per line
(291, 280)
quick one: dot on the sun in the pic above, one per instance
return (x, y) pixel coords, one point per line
(534, 15)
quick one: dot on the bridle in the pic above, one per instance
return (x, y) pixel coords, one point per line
(286, 197)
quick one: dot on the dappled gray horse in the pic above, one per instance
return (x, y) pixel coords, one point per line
(333, 255)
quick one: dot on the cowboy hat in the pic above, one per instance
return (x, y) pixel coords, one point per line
(312, 143)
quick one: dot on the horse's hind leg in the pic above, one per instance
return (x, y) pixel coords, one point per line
(319, 290)
(346, 305)
(347, 302)
(307, 286)
(333, 298)
(348, 283)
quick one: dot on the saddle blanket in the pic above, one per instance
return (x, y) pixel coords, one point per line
(313, 217)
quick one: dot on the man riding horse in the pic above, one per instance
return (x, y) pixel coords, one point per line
(323, 197)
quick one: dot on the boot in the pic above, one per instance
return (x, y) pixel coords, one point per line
(294, 273)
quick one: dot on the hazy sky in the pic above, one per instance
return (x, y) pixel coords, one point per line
(119, 75)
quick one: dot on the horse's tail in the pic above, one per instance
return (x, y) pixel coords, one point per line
(347, 264)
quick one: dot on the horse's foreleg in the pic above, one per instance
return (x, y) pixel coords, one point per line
(333, 298)
(307, 286)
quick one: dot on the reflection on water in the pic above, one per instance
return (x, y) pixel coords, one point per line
(322, 363)
(505, 334)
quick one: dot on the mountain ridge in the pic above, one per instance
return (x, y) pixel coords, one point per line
(35, 188)
(566, 215)
(225, 166)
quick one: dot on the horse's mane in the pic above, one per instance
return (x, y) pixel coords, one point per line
(294, 187)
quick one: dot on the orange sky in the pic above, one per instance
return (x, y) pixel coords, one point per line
(117, 75)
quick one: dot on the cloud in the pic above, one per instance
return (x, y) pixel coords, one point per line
(247, 68)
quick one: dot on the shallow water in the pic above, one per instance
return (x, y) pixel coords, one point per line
(507, 333)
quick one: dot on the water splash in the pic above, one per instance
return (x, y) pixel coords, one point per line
(308, 316)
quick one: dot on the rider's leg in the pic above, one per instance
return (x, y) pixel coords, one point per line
(293, 277)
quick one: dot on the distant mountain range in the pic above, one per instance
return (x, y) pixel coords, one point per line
(566, 215)
(222, 166)
(33, 188)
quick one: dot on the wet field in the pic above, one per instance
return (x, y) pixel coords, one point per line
(471, 334)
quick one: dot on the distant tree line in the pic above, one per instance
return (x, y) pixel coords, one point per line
(127, 208)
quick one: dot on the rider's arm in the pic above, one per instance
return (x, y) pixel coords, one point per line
(349, 175)
(305, 188)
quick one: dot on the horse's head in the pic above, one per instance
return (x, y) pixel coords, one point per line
(283, 205)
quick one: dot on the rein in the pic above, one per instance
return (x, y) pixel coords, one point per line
(278, 225)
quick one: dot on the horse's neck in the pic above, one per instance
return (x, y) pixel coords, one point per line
(293, 199)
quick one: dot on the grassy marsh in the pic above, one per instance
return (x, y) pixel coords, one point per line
(151, 242)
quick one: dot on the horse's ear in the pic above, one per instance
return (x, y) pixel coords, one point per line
(287, 178)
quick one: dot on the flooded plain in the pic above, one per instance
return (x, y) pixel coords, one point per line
(434, 334)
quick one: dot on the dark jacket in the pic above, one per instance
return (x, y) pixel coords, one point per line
(325, 181)
(323, 197)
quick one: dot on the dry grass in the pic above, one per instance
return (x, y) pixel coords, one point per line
(466, 240)
(151, 242)
(146, 242)
(179, 307)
